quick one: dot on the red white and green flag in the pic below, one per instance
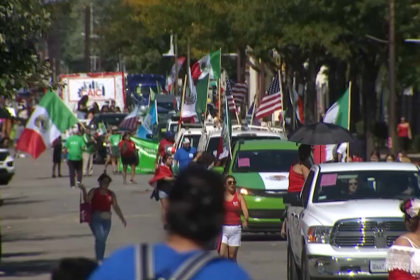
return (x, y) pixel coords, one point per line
(48, 121)
(209, 64)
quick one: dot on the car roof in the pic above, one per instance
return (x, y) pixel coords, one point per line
(218, 133)
(249, 145)
(191, 131)
(110, 115)
(374, 166)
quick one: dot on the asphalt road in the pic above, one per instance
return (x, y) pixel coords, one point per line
(40, 224)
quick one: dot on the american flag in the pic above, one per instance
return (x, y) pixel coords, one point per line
(240, 92)
(130, 122)
(272, 101)
(229, 97)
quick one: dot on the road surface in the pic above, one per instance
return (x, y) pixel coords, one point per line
(40, 224)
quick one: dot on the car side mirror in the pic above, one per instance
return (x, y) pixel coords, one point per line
(293, 199)
(149, 136)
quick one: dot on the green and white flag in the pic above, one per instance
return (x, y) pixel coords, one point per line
(209, 64)
(338, 113)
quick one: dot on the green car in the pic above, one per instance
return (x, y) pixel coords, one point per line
(261, 169)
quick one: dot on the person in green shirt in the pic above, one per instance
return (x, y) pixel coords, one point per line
(113, 142)
(74, 147)
(88, 153)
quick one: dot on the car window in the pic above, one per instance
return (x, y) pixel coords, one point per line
(193, 138)
(352, 185)
(214, 141)
(264, 161)
(306, 190)
(109, 120)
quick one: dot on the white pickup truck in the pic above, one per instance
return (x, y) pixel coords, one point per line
(346, 217)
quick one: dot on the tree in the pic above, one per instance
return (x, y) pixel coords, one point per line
(22, 22)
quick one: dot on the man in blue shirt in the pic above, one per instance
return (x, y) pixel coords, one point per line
(194, 217)
(185, 155)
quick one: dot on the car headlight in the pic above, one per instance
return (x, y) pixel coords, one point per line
(9, 163)
(319, 234)
(244, 191)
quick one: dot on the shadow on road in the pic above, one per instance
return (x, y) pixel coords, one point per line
(262, 237)
(19, 201)
(19, 238)
(20, 254)
(26, 268)
(51, 178)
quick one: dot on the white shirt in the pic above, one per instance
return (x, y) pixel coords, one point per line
(342, 150)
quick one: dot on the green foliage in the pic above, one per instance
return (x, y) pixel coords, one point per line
(22, 22)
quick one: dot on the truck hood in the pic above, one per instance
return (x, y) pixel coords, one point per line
(330, 212)
(263, 180)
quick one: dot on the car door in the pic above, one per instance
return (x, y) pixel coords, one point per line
(300, 211)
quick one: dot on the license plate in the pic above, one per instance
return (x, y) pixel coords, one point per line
(377, 266)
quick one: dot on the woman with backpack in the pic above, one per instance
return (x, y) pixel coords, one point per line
(128, 156)
(102, 200)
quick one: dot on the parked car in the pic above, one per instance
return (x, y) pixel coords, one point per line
(7, 167)
(261, 169)
(346, 217)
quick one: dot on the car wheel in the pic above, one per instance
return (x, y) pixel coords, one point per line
(292, 270)
(304, 266)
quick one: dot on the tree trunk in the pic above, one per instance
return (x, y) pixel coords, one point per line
(310, 94)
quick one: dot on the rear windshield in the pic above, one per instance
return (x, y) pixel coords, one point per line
(264, 161)
(109, 120)
(214, 141)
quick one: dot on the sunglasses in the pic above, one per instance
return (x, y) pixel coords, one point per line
(353, 184)
(231, 182)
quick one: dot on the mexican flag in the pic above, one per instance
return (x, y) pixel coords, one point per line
(337, 114)
(210, 64)
(48, 121)
(224, 149)
(202, 94)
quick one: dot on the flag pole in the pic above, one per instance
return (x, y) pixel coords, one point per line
(220, 99)
(237, 116)
(182, 101)
(253, 110)
(348, 120)
(282, 95)
(207, 97)
(229, 129)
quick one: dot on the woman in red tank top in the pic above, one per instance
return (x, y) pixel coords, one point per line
(297, 176)
(102, 200)
(404, 134)
(235, 205)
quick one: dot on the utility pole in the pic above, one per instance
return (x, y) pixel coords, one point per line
(87, 38)
(392, 124)
(176, 63)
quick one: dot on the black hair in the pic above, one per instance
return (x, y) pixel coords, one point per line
(74, 269)
(304, 152)
(104, 176)
(206, 159)
(84, 99)
(227, 177)
(375, 153)
(411, 223)
(125, 135)
(166, 156)
(390, 155)
(196, 205)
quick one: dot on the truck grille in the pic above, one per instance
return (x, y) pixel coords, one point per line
(368, 232)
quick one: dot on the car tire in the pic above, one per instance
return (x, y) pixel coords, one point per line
(292, 270)
(304, 266)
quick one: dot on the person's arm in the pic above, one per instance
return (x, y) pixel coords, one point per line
(117, 209)
(244, 208)
(87, 196)
(305, 171)
(197, 156)
(410, 136)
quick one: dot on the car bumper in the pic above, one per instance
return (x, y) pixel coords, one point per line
(265, 213)
(345, 263)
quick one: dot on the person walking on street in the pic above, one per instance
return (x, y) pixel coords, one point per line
(185, 154)
(57, 154)
(164, 144)
(128, 151)
(113, 141)
(88, 153)
(102, 200)
(163, 182)
(404, 134)
(195, 216)
(235, 204)
(74, 147)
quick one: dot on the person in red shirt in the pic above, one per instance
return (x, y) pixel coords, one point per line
(102, 200)
(164, 144)
(235, 205)
(128, 157)
(404, 134)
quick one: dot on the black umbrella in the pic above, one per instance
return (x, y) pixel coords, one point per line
(321, 134)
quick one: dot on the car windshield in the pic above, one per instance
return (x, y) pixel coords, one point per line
(193, 138)
(109, 120)
(214, 141)
(343, 186)
(264, 161)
